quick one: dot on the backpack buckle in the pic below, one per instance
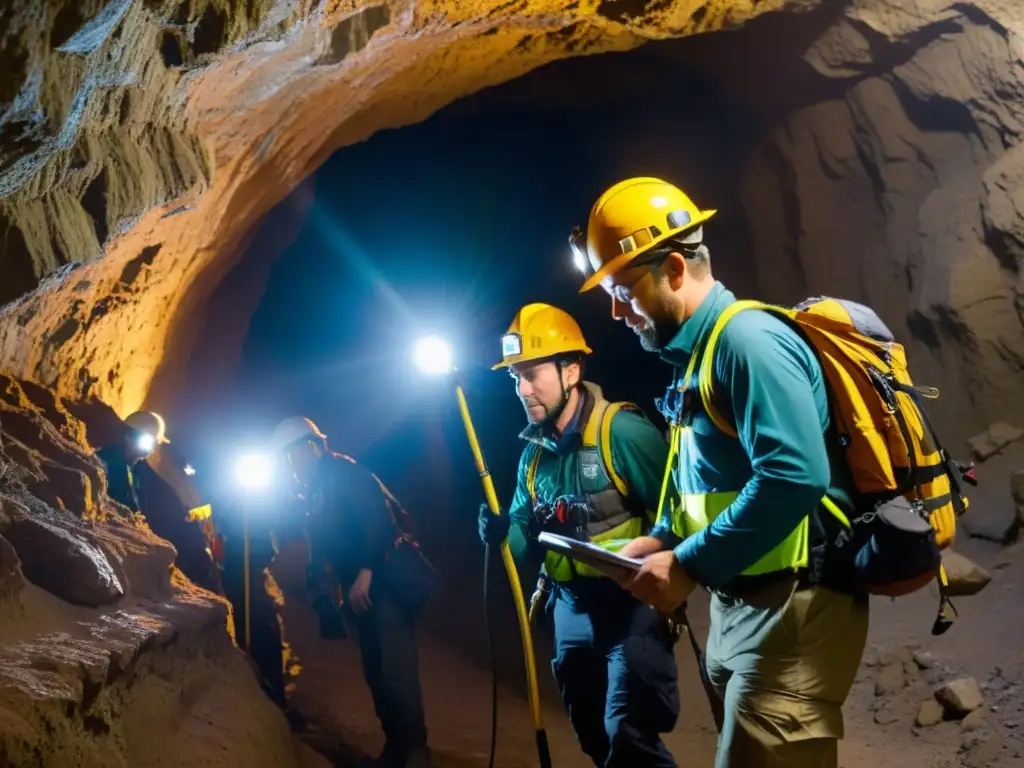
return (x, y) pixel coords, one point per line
(967, 473)
(676, 404)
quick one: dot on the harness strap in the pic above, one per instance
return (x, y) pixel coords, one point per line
(605, 447)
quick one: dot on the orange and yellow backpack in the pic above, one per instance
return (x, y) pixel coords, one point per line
(883, 432)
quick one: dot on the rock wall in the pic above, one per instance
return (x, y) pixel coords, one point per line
(141, 141)
(100, 637)
(900, 185)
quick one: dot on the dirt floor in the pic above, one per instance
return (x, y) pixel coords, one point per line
(880, 715)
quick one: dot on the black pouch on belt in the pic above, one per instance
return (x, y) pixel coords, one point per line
(896, 551)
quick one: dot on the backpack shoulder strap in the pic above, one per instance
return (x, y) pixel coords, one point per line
(598, 433)
(533, 460)
(592, 429)
(605, 444)
(705, 378)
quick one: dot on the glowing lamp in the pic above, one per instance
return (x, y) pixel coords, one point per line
(433, 355)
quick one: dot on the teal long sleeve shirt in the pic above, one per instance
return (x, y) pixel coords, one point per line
(768, 383)
(639, 453)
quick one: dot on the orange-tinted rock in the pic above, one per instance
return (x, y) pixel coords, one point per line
(162, 145)
(56, 556)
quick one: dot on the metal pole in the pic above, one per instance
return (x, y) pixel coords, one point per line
(246, 578)
(513, 579)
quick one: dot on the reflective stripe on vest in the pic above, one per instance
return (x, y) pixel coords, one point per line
(697, 511)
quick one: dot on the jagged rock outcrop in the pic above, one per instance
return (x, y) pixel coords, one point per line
(142, 141)
(100, 638)
(160, 132)
(898, 184)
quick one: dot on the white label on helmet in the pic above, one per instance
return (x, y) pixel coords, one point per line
(511, 344)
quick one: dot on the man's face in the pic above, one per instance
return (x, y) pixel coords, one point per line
(540, 387)
(639, 300)
(303, 459)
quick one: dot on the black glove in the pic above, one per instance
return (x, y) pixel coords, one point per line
(493, 528)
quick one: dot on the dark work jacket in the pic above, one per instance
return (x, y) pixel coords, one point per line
(121, 484)
(351, 524)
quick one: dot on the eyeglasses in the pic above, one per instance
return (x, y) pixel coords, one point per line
(623, 292)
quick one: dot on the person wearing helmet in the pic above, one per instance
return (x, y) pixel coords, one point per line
(353, 523)
(131, 481)
(141, 434)
(591, 470)
(788, 625)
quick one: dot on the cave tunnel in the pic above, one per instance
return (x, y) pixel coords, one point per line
(260, 217)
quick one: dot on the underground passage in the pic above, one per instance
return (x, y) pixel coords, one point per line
(286, 286)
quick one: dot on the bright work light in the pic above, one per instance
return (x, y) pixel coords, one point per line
(580, 261)
(146, 442)
(433, 355)
(253, 471)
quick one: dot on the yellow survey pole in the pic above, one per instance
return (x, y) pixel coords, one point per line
(513, 578)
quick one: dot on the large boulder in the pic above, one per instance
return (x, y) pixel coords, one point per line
(57, 555)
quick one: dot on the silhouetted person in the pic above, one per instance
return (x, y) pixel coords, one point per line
(352, 527)
(142, 431)
(132, 482)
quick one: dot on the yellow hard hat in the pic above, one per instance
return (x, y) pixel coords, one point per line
(148, 423)
(627, 221)
(539, 331)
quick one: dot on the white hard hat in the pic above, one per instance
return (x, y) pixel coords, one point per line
(293, 429)
(149, 423)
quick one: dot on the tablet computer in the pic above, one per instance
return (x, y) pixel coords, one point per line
(609, 563)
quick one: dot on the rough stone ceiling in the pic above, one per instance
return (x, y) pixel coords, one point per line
(143, 141)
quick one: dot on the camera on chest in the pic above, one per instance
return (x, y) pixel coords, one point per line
(566, 516)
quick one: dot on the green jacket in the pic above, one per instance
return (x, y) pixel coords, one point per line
(638, 454)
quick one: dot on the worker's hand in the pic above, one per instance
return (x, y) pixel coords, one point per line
(641, 547)
(493, 528)
(359, 595)
(660, 582)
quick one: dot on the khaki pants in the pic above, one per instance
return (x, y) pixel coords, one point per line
(783, 660)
